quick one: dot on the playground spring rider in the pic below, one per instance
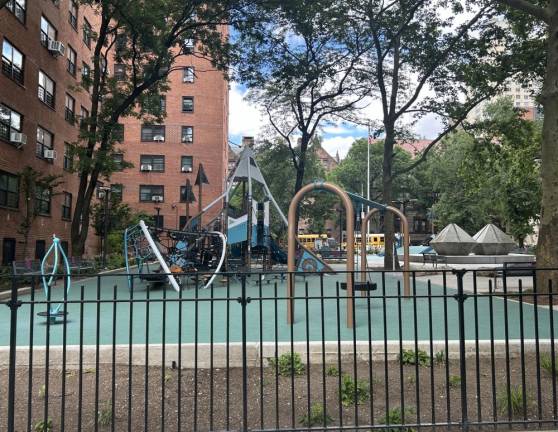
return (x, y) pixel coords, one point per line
(55, 248)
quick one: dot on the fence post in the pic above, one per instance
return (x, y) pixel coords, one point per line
(243, 300)
(461, 297)
(14, 304)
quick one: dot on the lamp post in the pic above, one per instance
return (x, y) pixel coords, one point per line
(103, 193)
(157, 199)
(174, 206)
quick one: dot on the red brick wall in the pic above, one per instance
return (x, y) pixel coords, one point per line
(25, 37)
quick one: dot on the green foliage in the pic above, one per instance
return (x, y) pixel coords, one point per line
(546, 364)
(42, 391)
(440, 357)
(454, 381)
(394, 417)
(317, 417)
(288, 364)
(513, 400)
(332, 371)
(42, 426)
(352, 392)
(482, 182)
(104, 417)
(410, 357)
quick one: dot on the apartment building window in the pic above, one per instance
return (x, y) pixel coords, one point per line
(182, 221)
(116, 192)
(10, 122)
(12, 62)
(152, 163)
(83, 116)
(148, 192)
(187, 104)
(120, 72)
(45, 141)
(86, 33)
(186, 164)
(73, 14)
(153, 133)
(121, 41)
(67, 206)
(118, 132)
(18, 8)
(188, 74)
(159, 221)
(8, 250)
(70, 109)
(48, 32)
(42, 200)
(187, 134)
(118, 159)
(47, 89)
(40, 249)
(72, 58)
(9, 190)
(68, 162)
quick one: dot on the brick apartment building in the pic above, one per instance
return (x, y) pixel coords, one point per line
(39, 109)
(164, 156)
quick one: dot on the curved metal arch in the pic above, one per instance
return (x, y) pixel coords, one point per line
(406, 265)
(292, 245)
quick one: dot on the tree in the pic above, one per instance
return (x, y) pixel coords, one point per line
(274, 162)
(426, 62)
(34, 185)
(539, 20)
(489, 173)
(302, 66)
(146, 37)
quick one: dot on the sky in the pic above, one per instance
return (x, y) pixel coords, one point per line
(245, 119)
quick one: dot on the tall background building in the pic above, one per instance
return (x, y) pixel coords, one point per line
(45, 48)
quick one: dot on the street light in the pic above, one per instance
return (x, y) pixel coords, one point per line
(103, 193)
(157, 199)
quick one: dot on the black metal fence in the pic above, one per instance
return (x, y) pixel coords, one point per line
(121, 355)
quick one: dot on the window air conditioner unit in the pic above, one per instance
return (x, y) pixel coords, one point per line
(146, 167)
(158, 138)
(18, 138)
(56, 47)
(186, 169)
(49, 154)
(157, 198)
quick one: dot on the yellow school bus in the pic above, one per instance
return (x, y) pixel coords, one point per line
(309, 240)
(373, 241)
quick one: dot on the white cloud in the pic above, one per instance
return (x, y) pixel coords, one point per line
(244, 118)
(340, 144)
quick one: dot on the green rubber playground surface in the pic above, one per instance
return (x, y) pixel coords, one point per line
(220, 320)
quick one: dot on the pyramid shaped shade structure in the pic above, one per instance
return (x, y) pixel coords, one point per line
(453, 240)
(491, 240)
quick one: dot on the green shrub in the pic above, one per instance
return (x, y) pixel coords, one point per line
(454, 381)
(288, 364)
(410, 357)
(440, 357)
(514, 400)
(105, 414)
(546, 364)
(352, 392)
(42, 391)
(394, 417)
(42, 426)
(317, 417)
(332, 371)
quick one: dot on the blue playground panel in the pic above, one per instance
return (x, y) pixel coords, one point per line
(267, 312)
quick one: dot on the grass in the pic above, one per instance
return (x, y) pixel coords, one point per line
(440, 357)
(42, 426)
(288, 364)
(332, 371)
(352, 392)
(546, 364)
(454, 381)
(316, 417)
(105, 414)
(394, 417)
(513, 401)
(410, 357)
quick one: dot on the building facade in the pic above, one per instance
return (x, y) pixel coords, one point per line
(46, 46)
(165, 156)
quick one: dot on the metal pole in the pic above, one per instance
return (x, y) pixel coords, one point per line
(105, 230)
(461, 297)
(14, 305)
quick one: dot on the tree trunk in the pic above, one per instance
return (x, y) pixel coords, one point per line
(547, 247)
(387, 192)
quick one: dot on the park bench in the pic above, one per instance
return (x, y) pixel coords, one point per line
(26, 267)
(80, 265)
(333, 254)
(514, 269)
(429, 257)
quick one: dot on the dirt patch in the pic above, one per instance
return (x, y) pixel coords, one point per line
(211, 400)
